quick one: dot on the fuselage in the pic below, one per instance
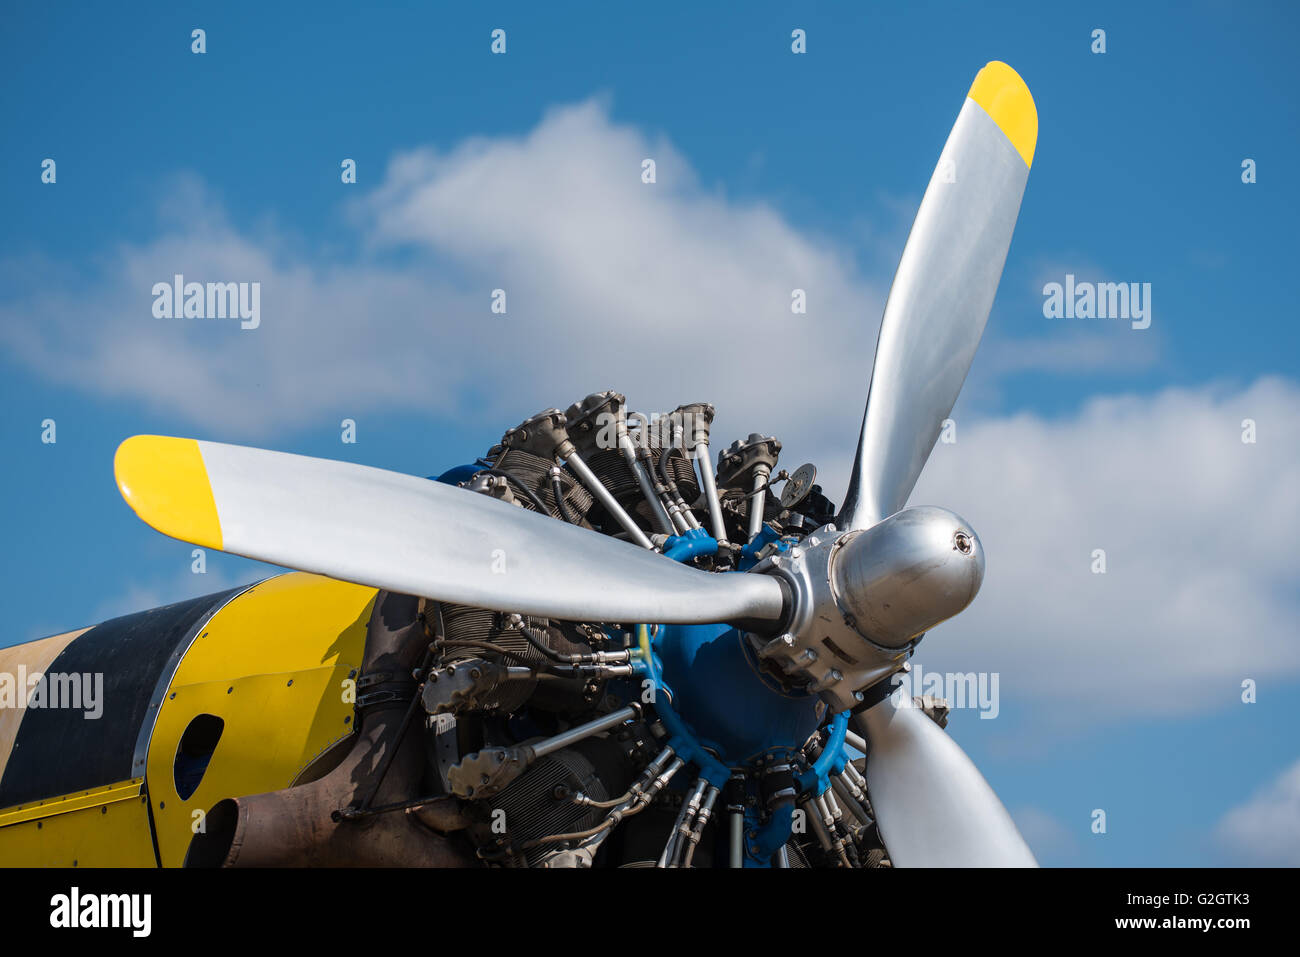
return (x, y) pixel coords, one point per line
(115, 739)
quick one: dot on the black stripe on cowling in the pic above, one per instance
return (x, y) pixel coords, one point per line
(60, 751)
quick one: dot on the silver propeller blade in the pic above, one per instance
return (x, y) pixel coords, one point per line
(416, 537)
(933, 807)
(942, 292)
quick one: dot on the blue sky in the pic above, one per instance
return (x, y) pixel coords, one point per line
(803, 168)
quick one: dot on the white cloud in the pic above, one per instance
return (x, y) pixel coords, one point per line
(1112, 348)
(1266, 829)
(1199, 532)
(329, 335)
(667, 292)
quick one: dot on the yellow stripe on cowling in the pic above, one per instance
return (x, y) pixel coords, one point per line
(165, 482)
(1005, 98)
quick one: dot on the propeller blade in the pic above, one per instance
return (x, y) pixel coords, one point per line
(943, 291)
(417, 537)
(933, 807)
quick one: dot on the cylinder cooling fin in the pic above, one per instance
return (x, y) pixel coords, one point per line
(543, 728)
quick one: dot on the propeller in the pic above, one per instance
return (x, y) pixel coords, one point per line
(875, 581)
(414, 536)
(942, 292)
(933, 807)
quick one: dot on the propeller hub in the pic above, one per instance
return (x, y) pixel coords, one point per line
(862, 599)
(900, 578)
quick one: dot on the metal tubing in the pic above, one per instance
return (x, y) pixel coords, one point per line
(566, 738)
(603, 495)
(813, 816)
(680, 823)
(701, 822)
(854, 775)
(657, 511)
(832, 805)
(679, 508)
(758, 500)
(705, 464)
(687, 827)
(736, 847)
(686, 823)
(849, 801)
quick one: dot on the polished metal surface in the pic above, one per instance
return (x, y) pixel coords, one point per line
(705, 465)
(758, 500)
(938, 305)
(735, 838)
(417, 537)
(896, 580)
(861, 598)
(595, 726)
(816, 647)
(932, 805)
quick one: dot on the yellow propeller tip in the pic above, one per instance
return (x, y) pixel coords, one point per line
(165, 482)
(1005, 98)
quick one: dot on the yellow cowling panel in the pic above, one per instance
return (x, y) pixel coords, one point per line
(274, 665)
(104, 827)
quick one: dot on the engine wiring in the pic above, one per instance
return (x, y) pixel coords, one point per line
(532, 783)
